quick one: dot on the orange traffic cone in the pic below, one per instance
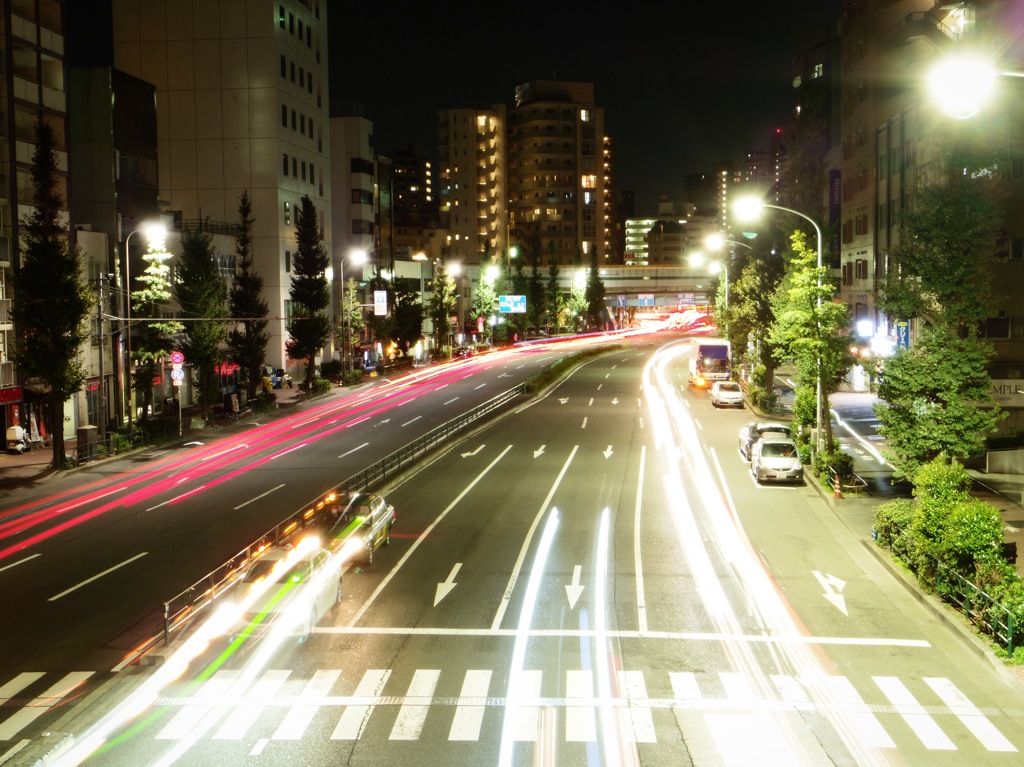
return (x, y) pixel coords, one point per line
(837, 491)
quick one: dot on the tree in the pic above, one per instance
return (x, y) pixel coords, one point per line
(202, 295)
(442, 304)
(485, 296)
(555, 298)
(936, 400)
(382, 326)
(153, 338)
(309, 327)
(577, 304)
(408, 323)
(595, 294)
(816, 337)
(51, 301)
(248, 339)
(353, 318)
(751, 311)
(936, 395)
(536, 298)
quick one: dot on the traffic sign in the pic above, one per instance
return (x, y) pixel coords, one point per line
(177, 358)
(177, 375)
(512, 304)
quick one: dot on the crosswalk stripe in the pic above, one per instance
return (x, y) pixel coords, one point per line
(864, 723)
(39, 706)
(411, 716)
(192, 715)
(913, 713)
(245, 715)
(684, 686)
(642, 731)
(353, 718)
(580, 724)
(526, 718)
(790, 689)
(469, 714)
(968, 713)
(738, 688)
(295, 722)
(19, 683)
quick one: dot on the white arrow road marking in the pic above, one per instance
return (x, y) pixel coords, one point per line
(833, 586)
(386, 420)
(563, 400)
(608, 452)
(574, 589)
(444, 589)
(466, 455)
(539, 451)
(615, 400)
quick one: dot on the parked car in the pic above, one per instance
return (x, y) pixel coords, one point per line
(726, 394)
(367, 518)
(304, 589)
(752, 432)
(775, 458)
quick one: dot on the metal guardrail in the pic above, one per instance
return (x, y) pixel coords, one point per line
(182, 607)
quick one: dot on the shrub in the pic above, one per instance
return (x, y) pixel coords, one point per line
(320, 386)
(331, 369)
(353, 377)
(893, 520)
(972, 537)
(839, 462)
(263, 402)
(940, 486)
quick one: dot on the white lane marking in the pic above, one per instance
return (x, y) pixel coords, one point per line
(295, 722)
(258, 747)
(584, 425)
(469, 713)
(527, 718)
(642, 730)
(413, 712)
(684, 686)
(19, 562)
(354, 718)
(244, 715)
(450, 401)
(480, 386)
(39, 706)
(507, 595)
(641, 599)
(261, 495)
(739, 689)
(191, 715)
(349, 452)
(970, 715)
(913, 713)
(414, 420)
(580, 724)
(790, 689)
(97, 577)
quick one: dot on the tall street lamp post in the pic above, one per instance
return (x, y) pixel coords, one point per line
(356, 258)
(156, 235)
(749, 208)
(962, 85)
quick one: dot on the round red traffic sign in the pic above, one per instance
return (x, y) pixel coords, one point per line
(177, 358)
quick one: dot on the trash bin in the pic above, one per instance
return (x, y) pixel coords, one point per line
(88, 442)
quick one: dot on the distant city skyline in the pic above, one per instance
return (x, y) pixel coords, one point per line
(678, 96)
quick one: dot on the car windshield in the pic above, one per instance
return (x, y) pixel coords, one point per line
(729, 387)
(778, 450)
(259, 569)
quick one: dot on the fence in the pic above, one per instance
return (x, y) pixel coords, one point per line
(988, 615)
(182, 607)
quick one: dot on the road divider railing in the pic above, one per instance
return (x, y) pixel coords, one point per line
(182, 608)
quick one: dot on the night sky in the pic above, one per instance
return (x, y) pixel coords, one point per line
(682, 86)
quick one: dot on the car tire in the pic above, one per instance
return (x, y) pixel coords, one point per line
(387, 537)
(369, 553)
(340, 591)
(309, 626)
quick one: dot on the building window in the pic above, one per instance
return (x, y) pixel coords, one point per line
(284, 67)
(291, 23)
(295, 167)
(302, 123)
(861, 224)
(284, 116)
(280, 16)
(288, 220)
(309, 82)
(1017, 248)
(302, 77)
(847, 274)
(284, 164)
(293, 119)
(287, 259)
(861, 269)
(303, 170)
(293, 71)
(300, 29)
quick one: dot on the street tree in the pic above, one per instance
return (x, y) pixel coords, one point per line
(536, 297)
(202, 296)
(353, 319)
(442, 304)
(408, 313)
(555, 298)
(485, 295)
(51, 300)
(154, 335)
(936, 400)
(309, 326)
(248, 338)
(812, 329)
(382, 326)
(752, 313)
(577, 304)
(936, 396)
(595, 294)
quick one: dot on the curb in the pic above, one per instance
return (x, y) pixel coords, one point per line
(953, 619)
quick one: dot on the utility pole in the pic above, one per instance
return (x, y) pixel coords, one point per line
(103, 380)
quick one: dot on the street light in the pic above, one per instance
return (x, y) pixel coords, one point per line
(513, 251)
(357, 258)
(156, 235)
(749, 209)
(961, 85)
(698, 259)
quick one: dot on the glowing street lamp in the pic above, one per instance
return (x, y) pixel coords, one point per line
(962, 85)
(699, 259)
(156, 236)
(750, 209)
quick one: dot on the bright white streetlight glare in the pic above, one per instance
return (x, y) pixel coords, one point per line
(961, 85)
(748, 208)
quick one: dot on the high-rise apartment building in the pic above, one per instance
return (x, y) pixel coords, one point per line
(556, 172)
(242, 105)
(32, 89)
(471, 151)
